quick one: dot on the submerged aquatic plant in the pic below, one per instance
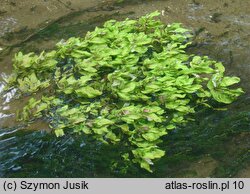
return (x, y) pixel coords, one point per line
(128, 82)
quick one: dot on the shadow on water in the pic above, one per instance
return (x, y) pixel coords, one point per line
(216, 144)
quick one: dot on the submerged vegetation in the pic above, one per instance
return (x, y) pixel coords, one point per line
(127, 83)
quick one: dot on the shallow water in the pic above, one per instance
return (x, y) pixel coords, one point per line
(215, 145)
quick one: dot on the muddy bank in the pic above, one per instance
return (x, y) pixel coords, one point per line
(20, 19)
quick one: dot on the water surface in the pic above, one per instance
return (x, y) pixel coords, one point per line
(215, 145)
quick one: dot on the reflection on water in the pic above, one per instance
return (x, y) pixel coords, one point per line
(8, 23)
(215, 145)
(1, 87)
(9, 96)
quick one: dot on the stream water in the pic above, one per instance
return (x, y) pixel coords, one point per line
(216, 144)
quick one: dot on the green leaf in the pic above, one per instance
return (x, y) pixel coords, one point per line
(220, 96)
(226, 96)
(129, 81)
(100, 122)
(97, 40)
(129, 87)
(144, 164)
(154, 117)
(100, 130)
(171, 126)
(59, 132)
(83, 80)
(153, 136)
(124, 96)
(41, 107)
(82, 128)
(153, 14)
(110, 135)
(228, 81)
(82, 53)
(88, 92)
(220, 67)
(154, 153)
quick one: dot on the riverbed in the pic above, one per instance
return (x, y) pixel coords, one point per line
(216, 144)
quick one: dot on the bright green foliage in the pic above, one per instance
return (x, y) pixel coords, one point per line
(129, 82)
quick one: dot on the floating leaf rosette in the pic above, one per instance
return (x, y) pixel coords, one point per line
(129, 82)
